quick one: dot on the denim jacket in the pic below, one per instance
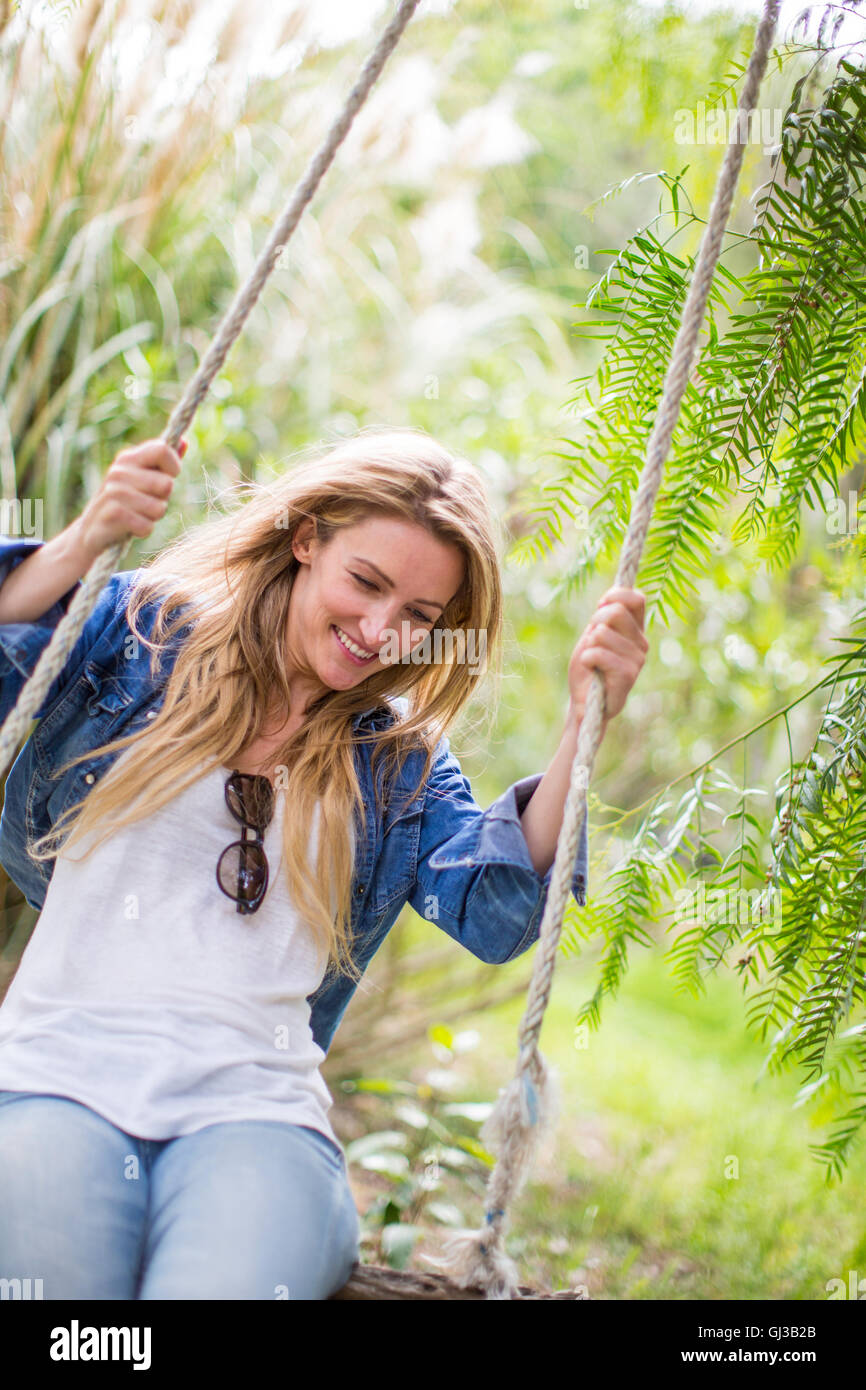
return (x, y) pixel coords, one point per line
(466, 869)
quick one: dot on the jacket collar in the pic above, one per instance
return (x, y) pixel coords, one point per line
(386, 706)
(364, 714)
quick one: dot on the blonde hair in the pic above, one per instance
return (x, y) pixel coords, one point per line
(234, 576)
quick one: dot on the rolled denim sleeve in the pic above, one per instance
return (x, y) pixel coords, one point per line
(475, 876)
(22, 644)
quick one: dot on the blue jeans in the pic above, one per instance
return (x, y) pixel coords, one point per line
(255, 1209)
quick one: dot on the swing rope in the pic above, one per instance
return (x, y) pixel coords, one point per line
(530, 1102)
(528, 1105)
(68, 630)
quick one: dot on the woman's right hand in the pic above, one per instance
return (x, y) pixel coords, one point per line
(133, 495)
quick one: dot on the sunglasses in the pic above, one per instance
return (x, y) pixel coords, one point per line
(242, 868)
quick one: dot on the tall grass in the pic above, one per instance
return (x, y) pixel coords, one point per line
(136, 196)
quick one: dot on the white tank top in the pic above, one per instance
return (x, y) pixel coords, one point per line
(144, 994)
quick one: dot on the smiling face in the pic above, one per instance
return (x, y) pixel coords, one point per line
(384, 580)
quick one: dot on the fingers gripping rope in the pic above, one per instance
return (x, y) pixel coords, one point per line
(53, 659)
(527, 1105)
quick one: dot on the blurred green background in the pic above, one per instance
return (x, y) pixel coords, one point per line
(436, 281)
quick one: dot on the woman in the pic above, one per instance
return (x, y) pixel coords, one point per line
(238, 780)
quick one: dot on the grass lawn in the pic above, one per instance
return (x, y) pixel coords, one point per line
(675, 1173)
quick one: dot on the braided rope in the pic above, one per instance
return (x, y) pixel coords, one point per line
(68, 630)
(530, 1102)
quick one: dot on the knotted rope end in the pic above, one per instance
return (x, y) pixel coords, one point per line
(527, 1107)
(471, 1261)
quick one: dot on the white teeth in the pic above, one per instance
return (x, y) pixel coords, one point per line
(352, 646)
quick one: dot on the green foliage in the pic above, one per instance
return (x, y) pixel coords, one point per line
(427, 1158)
(679, 1168)
(776, 404)
(777, 396)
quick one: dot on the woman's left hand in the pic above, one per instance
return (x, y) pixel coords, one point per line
(614, 641)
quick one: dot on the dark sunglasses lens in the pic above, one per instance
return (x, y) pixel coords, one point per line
(250, 799)
(242, 872)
